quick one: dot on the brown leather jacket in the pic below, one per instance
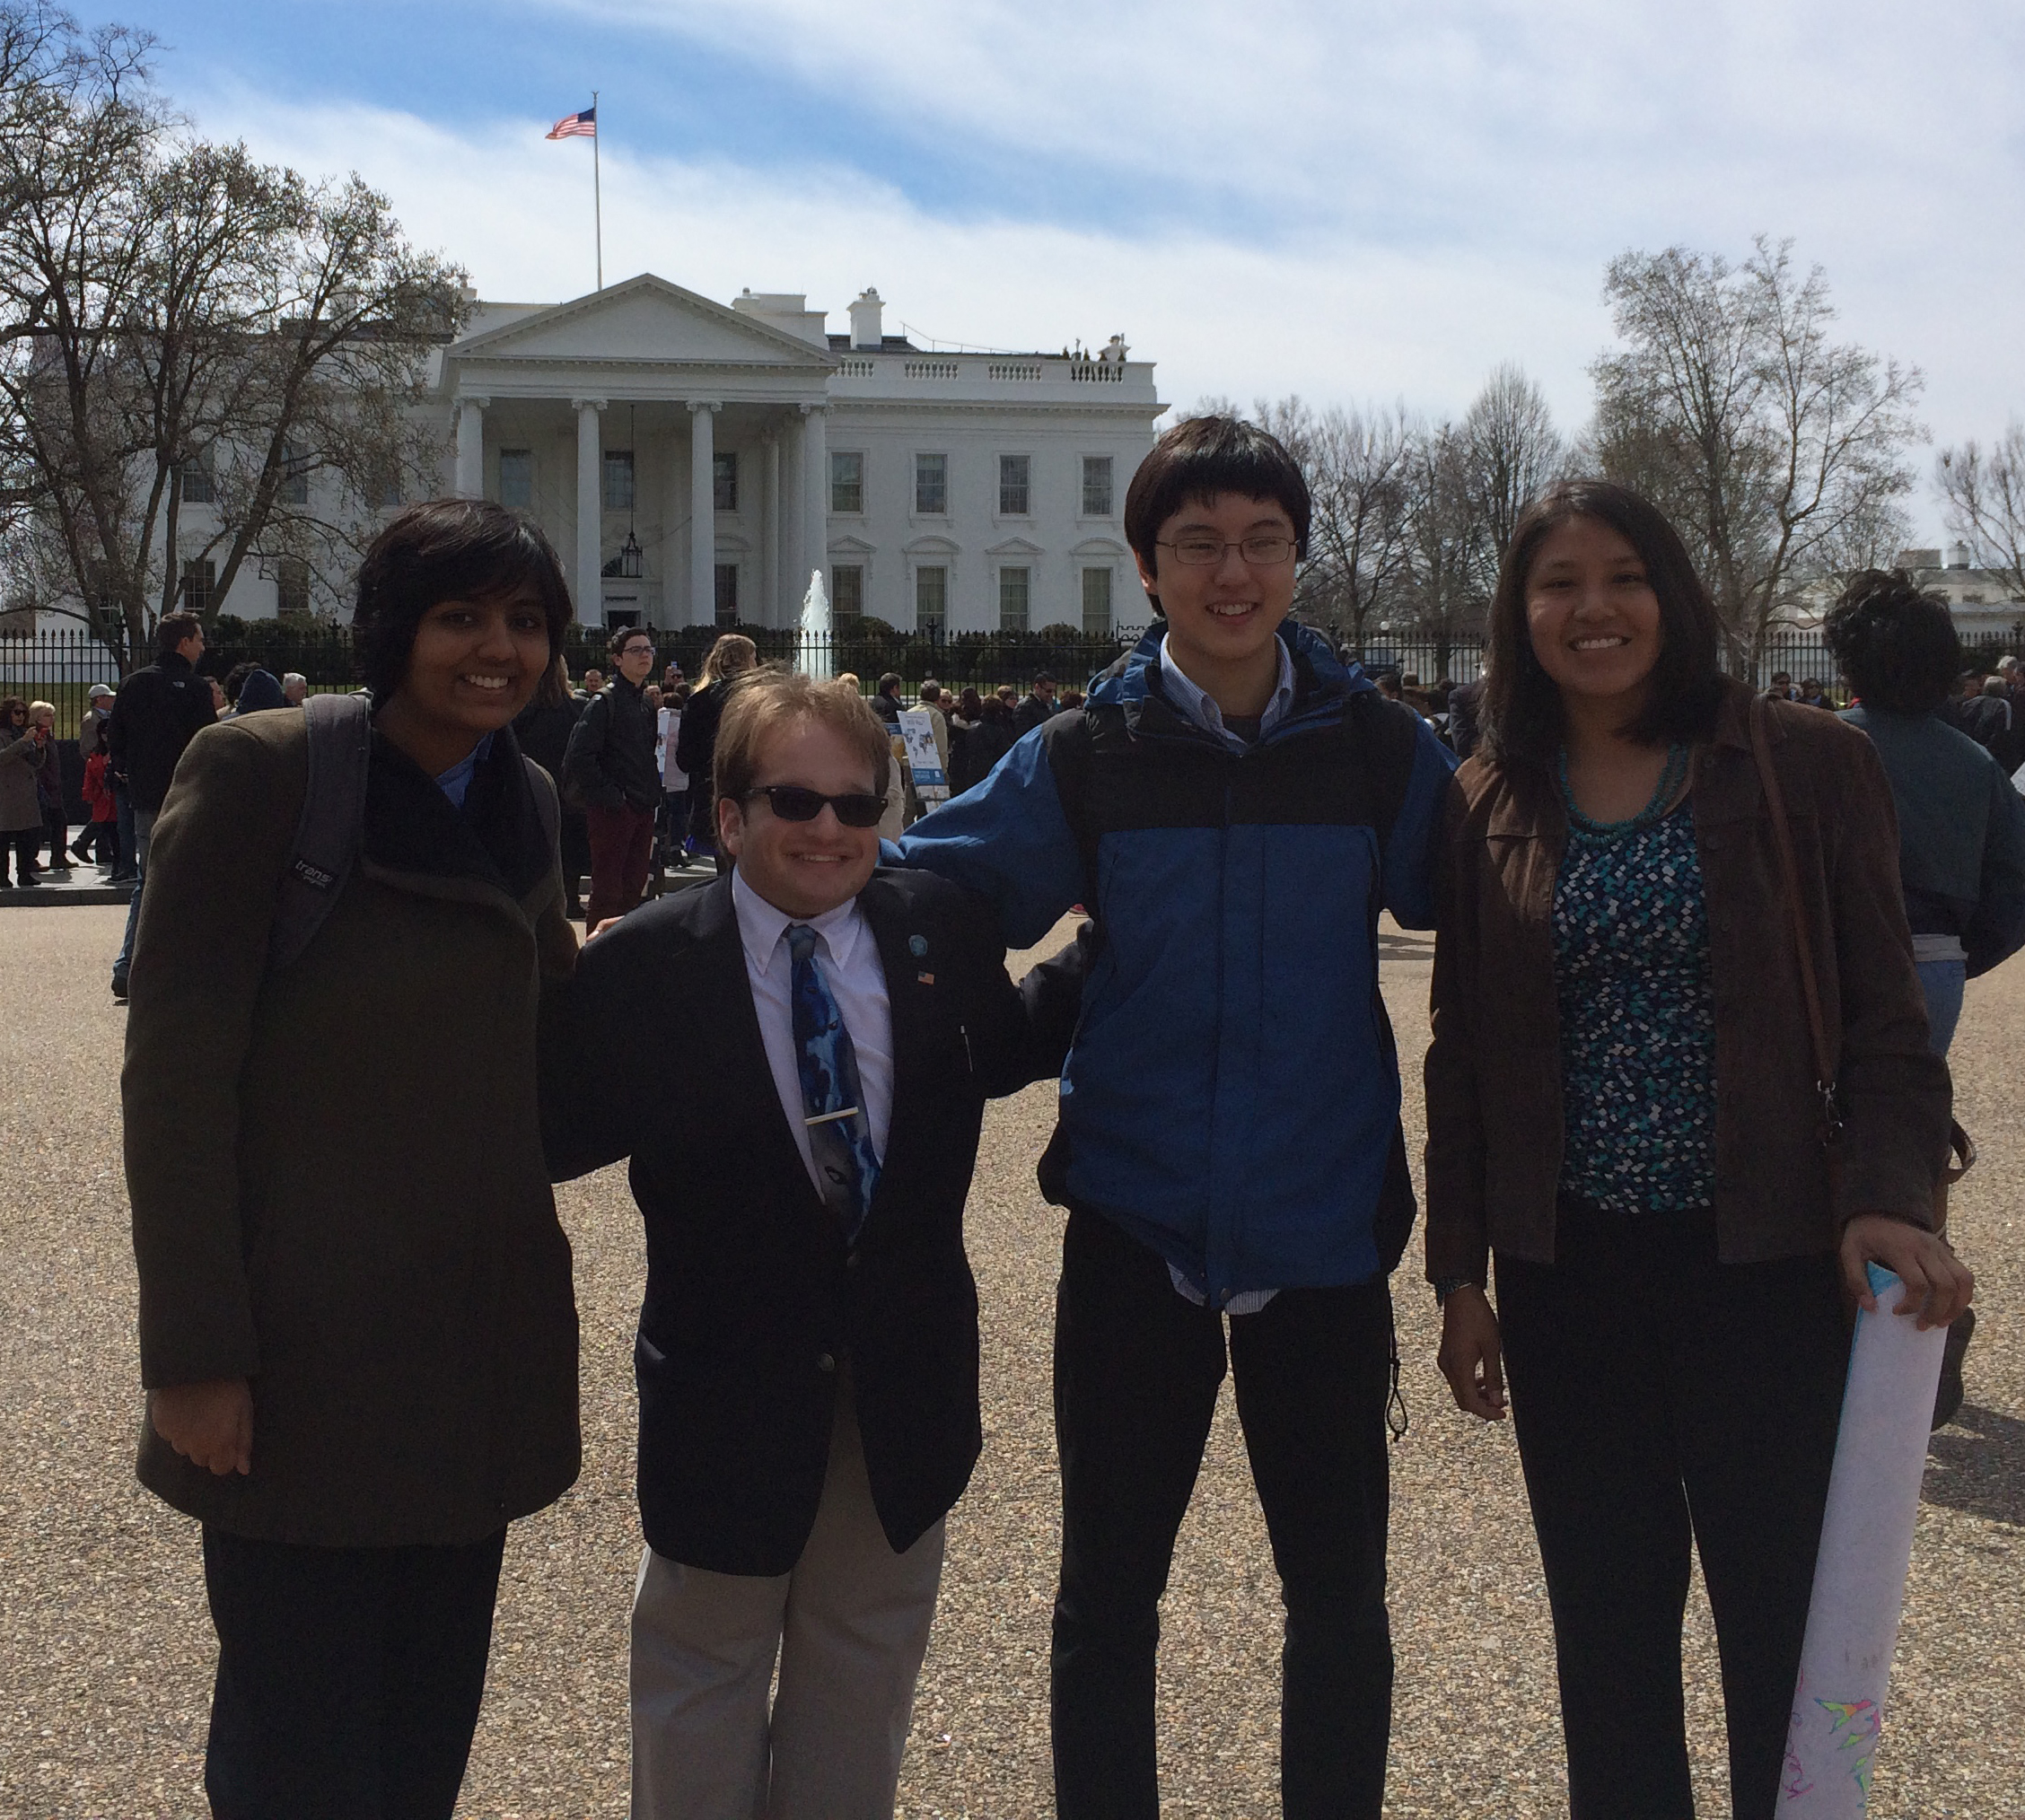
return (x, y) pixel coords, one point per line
(1494, 1071)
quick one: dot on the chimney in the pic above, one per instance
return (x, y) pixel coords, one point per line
(1959, 556)
(867, 320)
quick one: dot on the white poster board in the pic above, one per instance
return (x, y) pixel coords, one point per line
(1859, 1574)
(917, 729)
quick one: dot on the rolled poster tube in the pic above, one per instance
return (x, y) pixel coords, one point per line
(1860, 1573)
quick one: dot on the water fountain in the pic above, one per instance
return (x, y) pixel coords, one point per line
(819, 655)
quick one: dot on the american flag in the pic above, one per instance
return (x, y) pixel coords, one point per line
(583, 126)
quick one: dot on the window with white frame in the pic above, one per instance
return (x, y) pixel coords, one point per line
(516, 478)
(724, 481)
(200, 585)
(618, 480)
(1015, 593)
(292, 588)
(294, 486)
(1015, 474)
(846, 480)
(1096, 487)
(931, 486)
(1097, 602)
(931, 600)
(727, 594)
(846, 591)
(200, 483)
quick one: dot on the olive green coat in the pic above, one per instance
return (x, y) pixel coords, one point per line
(336, 1169)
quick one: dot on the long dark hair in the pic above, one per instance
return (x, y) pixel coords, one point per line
(1521, 712)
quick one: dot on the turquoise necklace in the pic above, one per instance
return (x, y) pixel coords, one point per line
(1670, 780)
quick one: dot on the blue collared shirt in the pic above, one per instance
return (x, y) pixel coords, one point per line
(457, 781)
(1183, 693)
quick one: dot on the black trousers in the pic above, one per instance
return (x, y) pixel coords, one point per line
(1664, 1401)
(26, 843)
(1136, 1373)
(348, 1678)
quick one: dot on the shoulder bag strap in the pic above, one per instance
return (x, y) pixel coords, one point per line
(1789, 873)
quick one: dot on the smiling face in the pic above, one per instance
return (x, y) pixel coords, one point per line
(475, 664)
(1593, 617)
(1222, 616)
(802, 866)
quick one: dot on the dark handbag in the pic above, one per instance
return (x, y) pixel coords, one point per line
(1962, 1147)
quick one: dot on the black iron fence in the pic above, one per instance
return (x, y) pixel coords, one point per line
(60, 666)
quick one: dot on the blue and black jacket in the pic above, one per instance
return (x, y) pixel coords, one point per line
(1231, 1097)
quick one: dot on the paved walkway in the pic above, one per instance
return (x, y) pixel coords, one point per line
(105, 1652)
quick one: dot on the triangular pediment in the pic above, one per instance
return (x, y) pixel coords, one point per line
(648, 320)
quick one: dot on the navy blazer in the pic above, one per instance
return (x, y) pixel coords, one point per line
(753, 1299)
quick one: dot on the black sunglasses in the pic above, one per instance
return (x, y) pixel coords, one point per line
(792, 802)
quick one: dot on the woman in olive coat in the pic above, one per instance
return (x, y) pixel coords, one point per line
(358, 1336)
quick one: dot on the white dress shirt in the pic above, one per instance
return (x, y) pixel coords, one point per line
(1200, 708)
(847, 955)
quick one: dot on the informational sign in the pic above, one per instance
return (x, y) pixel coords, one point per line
(1860, 1573)
(917, 728)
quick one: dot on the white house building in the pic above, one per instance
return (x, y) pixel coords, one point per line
(693, 463)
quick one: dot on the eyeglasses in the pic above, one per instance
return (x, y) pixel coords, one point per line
(792, 802)
(1263, 552)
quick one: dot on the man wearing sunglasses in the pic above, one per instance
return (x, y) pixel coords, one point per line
(1235, 807)
(802, 1130)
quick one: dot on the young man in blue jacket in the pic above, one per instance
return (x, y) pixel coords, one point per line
(1234, 808)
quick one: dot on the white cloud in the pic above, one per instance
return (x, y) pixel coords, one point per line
(1388, 201)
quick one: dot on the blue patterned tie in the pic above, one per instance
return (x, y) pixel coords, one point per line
(846, 1161)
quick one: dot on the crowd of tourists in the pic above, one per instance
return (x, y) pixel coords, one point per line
(365, 1038)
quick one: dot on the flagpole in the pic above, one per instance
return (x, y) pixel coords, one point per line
(597, 189)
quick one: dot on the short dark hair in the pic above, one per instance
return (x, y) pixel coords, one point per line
(1521, 715)
(1040, 677)
(234, 680)
(890, 681)
(615, 646)
(446, 549)
(1894, 642)
(1200, 460)
(171, 629)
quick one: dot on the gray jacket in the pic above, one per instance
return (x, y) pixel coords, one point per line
(21, 764)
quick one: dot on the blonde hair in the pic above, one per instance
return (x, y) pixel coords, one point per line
(49, 708)
(764, 701)
(732, 655)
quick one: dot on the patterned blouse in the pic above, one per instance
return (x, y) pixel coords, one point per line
(1631, 969)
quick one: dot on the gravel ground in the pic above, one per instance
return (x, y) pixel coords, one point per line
(106, 1653)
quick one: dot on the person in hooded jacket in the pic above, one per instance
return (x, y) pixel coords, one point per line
(1235, 807)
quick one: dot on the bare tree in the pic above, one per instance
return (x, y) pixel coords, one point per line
(1982, 498)
(1449, 540)
(1511, 454)
(1778, 453)
(178, 321)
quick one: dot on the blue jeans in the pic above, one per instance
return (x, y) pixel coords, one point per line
(144, 836)
(123, 822)
(1942, 981)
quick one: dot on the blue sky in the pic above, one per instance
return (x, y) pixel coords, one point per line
(1349, 198)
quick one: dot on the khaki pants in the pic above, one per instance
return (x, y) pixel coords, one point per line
(849, 1627)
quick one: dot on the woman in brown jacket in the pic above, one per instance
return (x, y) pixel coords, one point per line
(1622, 1107)
(357, 1329)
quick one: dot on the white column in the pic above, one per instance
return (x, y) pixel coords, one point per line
(774, 605)
(795, 571)
(815, 497)
(703, 514)
(589, 510)
(471, 446)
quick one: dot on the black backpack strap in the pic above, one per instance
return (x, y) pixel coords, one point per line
(327, 834)
(1070, 742)
(548, 810)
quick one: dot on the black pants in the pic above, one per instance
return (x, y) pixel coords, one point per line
(1665, 1401)
(348, 1678)
(1137, 1372)
(26, 843)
